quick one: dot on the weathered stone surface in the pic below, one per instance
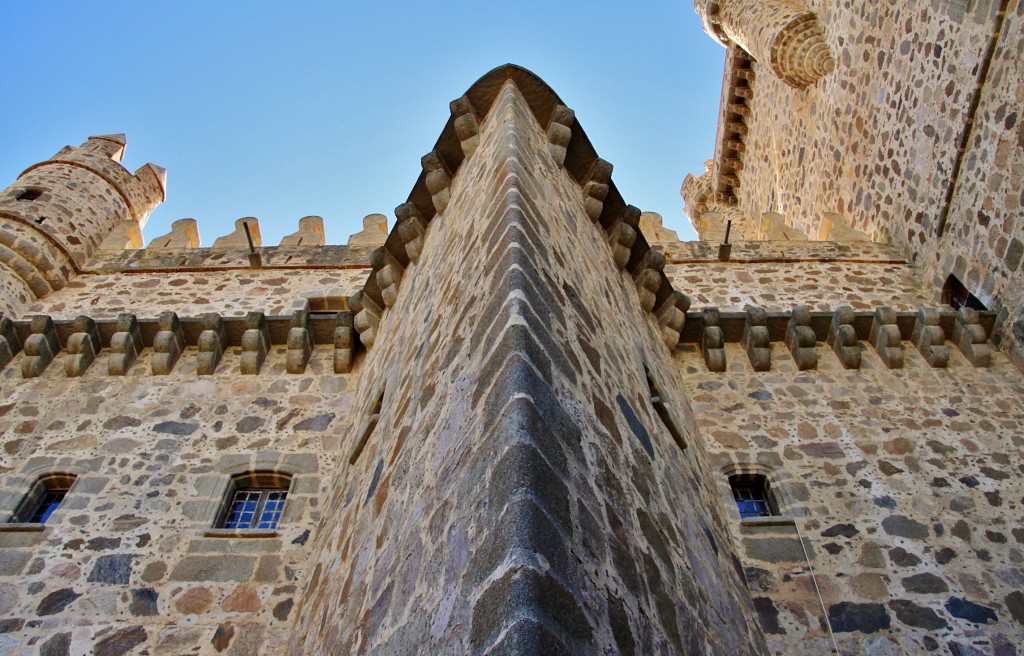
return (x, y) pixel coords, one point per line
(213, 568)
(520, 480)
(121, 641)
(847, 617)
(920, 616)
(970, 611)
(114, 569)
(57, 645)
(905, 527)
(57, 601)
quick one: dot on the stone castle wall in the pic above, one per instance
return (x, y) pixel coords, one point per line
(877, 141)
(130, 562)
(193, 281)
(903, 485)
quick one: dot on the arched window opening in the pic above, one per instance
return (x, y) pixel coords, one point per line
(43, 498)
(255, 501)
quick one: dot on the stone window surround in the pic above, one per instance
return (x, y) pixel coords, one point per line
(215, 487)
(283, 478)
(17, 487)
(776, 486)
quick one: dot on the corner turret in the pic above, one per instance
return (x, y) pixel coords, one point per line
(784, 36)
(58, 212)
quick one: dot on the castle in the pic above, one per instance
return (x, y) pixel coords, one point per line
(528, 419)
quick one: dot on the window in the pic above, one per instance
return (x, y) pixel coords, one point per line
(30, 194)
(371, 423)
(752, 496)
(255, 501)
(955, 295)
(43, 498)
(663, 410)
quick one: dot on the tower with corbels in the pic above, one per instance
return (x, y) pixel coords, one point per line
(60, 211)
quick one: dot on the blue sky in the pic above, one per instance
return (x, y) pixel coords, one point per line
(281, 110)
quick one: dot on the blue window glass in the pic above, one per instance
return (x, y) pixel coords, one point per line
(43, 498)
(751, 495)
(260, 509)
(46, 506)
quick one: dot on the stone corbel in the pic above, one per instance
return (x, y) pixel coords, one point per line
(10, 345)
(801, 340)
(255, 343)
(344, 343)
(560, 132)
(755, 339)
(212, 344)
(300, 343)
(83, 346)
(622, 234)
(930, 338)
(168, 344)
(885, 337)
(125, 345)
(40, 347)
(467, 128)
(970, 337)
(595, 188)
(712, 340)
(842, 337)
(438, 180)
(411, 228)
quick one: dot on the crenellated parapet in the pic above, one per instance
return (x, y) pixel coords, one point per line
(710, 213)
(785, 36)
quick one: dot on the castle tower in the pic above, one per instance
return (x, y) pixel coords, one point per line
(785, 36)
(58, 212)
(515, 481)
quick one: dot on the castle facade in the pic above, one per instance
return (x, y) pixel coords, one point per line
(527, 419)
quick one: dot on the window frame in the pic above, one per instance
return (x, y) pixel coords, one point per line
(263, 482)
(756, 483)
(34, 509)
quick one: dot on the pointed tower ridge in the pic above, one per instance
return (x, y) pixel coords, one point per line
(572, 153)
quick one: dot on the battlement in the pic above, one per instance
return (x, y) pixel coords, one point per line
(141, 191)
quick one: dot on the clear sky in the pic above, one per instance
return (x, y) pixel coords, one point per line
(279, 110)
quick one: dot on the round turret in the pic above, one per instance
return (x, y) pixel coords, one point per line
(784, 36)
(59, 211)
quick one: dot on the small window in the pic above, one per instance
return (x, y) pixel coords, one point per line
(30, 194)
(255, 501)
(752, 496)
(663, 411)
(371, 423)
(45, 497)
(955, 295)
